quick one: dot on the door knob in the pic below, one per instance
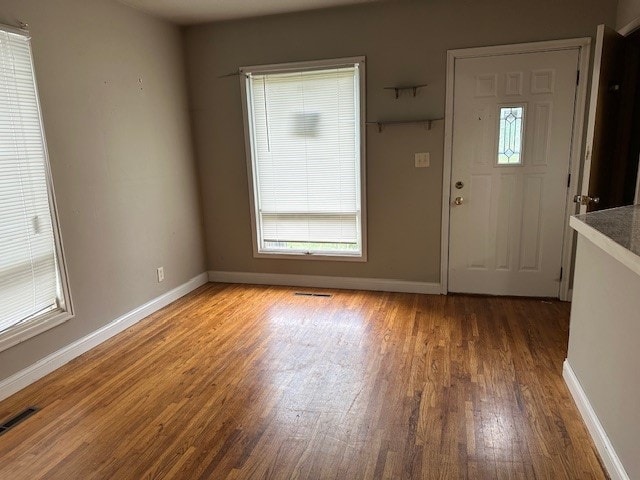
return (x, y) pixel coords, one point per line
(585, 199)
(458, 200)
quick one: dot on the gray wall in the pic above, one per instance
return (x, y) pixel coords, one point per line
(113, 95)
(603, 346)
(628, 10)
(405, 42)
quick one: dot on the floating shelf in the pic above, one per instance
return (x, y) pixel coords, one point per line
(390, 123)
(413, 88)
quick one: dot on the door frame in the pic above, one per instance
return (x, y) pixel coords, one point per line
(630, 27)
(625, 31)
(583, 45)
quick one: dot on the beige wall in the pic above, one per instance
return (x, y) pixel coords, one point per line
(114, 102)
(405, 43)
(628, 10)
(603, 346)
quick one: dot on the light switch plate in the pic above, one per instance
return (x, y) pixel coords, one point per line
(423, 160)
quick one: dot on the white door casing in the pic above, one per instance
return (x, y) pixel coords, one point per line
(607, 64)
(506, 237)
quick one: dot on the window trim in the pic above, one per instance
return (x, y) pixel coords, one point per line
(296, 67)
(41, 323)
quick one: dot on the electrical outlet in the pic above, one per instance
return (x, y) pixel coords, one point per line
(160, 274)
(423, 160)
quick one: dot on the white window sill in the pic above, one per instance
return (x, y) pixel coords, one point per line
(23, 331)
(313, 256)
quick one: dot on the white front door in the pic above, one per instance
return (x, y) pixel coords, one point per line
(512, 130)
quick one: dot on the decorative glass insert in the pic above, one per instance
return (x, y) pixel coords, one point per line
(510, 138)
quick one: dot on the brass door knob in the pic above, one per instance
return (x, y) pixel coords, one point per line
(458, 200)
(585, 199)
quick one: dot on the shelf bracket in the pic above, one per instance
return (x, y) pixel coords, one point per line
(413, 88)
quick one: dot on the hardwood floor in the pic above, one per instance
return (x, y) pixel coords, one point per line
(255, 382)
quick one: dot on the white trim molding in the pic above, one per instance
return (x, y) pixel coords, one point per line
(583, 45)
(57, 359)
(318, 281)
(630, 27)
(609, 457)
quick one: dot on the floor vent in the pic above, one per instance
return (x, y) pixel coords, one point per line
(12, 422)
(305, 294)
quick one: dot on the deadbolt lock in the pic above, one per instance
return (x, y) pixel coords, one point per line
(459, 185)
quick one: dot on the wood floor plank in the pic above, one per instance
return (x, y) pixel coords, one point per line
(253, 382)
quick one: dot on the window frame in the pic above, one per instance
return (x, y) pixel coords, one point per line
(249, 151)
(24, 330)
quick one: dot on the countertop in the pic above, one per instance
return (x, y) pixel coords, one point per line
(616, 231)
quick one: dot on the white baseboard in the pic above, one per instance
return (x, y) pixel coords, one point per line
(43, 367)
(609, 457)
(318, 281)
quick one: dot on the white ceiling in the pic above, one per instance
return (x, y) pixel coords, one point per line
(198, 11)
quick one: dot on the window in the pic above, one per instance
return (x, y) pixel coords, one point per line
(510, 139)
(33, 288)
(305, 142)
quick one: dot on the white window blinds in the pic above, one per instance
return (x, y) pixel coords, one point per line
(29, 281)
(305, 135)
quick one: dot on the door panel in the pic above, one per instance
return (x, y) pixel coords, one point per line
(601, 124)
(512, 130)
(506, 199)
(481, 189)
(541, 131)
(533, 191)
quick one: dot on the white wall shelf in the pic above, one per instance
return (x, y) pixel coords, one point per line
(393, 123)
